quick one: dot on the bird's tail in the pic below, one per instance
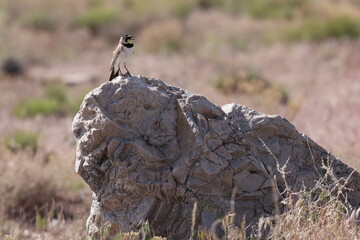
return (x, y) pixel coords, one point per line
(114, 74)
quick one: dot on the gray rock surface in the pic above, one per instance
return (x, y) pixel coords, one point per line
(149, 151)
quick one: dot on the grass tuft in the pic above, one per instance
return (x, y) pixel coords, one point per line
(22, 140)
(183, 9)
(96, 18)
(249, 81)
(274, 8)
(166, 37)
(337, 27)
(31, 108)
(57, 92)
(40, 20)
(55, 102)
(40, 222)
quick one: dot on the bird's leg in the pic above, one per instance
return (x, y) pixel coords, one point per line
(120, 69)
(126, 69)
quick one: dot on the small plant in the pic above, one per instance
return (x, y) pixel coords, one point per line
(40, 20)
(55, 102)
(338, 27)
(274, 8)
(105, 231)
(31, 108)
(146, 230)
(164, 37)
(40, 222)
(97, 18)
(22, 140)
(276, 93)
(249, 81)
(183, 9)
(58, 92)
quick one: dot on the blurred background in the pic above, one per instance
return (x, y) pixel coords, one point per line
(297, 58)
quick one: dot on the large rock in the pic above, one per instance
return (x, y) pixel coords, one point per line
(149, 151)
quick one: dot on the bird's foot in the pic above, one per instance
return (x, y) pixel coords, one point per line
(127, 74)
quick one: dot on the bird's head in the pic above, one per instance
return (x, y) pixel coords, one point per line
(127, 39)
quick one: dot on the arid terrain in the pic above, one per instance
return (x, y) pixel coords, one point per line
(299, 59)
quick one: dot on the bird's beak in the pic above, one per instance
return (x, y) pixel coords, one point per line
(132, 37)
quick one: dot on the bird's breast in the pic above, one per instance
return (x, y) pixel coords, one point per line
(125, 54)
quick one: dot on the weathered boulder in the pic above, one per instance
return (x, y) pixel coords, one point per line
(149, 151)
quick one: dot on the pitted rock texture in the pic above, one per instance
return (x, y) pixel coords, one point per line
(149, 151)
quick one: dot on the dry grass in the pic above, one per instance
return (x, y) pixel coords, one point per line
(38, 196)
(165, 37)
(321, 212)
(251, 82)
(314, 219)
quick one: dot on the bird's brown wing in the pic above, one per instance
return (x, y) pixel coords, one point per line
(115, 55)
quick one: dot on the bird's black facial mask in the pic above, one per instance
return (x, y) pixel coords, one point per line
(129, 39)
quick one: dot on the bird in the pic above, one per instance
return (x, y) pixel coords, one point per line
(122, 53)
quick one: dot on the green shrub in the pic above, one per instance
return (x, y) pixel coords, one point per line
(182, 9)
(97, 18)
(55, 102)
(339, 27)
(249, 81)
(40, 222)
(58, 92)
(40, 20)
(343, 27)
(253, 83)
(166, 37)
(273, 8)
(31, 108)
(22, 140)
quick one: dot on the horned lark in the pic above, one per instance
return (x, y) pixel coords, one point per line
(122, 53)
